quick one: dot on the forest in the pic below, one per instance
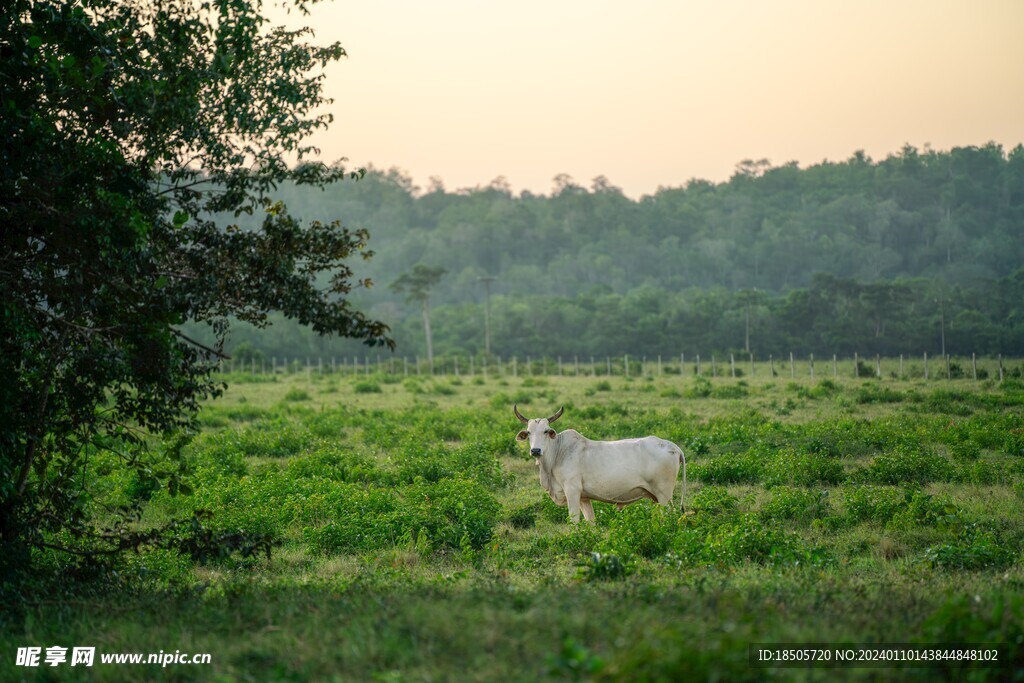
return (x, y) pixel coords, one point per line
(918, 252)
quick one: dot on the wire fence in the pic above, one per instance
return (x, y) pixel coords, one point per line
(792, 366)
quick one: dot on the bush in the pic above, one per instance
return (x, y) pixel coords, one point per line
(643, 529)
(524, 516)
(714, 499)
(749, 539)
(455, 512)
(867, 503)
(872, 393)
(731, 468)
(802, 469)
(974, 548)
(603, 567)
(356, 517)
(296, 395)
(367, 387)
(908, 464)
(729, 391)
(798, 504)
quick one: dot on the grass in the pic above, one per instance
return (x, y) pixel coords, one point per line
(415, 542)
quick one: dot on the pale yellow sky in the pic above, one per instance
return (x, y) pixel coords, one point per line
(652, 93)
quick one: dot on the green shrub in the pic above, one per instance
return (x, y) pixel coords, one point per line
(731, 468)
(366, 387)
(749, 539)
(798, 504)
(866, 503)
(336, 463)
(356, 517)
(875, 393)
(802, 469)
(442, 389)
(713, 500)
(524, 516)
(580, 538)
(603, 567)
(643, 529)
(904, 465)
(974, 548)
(416, 459)
(454, 509)
(728, 391)
(701, 388)
(295, 395)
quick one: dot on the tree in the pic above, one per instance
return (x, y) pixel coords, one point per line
(131, 132)
(416, 286)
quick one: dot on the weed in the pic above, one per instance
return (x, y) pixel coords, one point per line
(603, 567)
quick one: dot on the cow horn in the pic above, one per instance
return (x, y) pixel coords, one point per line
(556, 415)
(515, 409)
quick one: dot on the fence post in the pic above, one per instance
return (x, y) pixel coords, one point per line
(771, 365)
(732, 364)
(926, 365)
(1000, 368)
(714, 371)
(974, 368)
(812, 366)
(576, 363)
(515, 367)
(878, 366)
(792, 369)
(948, 375)
(698, 365)
(856, 365)
(751, 364)
(901, 366)
(659, 365)
(835, 367)
(608, 364)
(559, 366)
(625, 365)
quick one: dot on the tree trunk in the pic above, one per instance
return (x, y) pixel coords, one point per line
(426, 333)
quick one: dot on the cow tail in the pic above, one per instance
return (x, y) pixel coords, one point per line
(682, 500)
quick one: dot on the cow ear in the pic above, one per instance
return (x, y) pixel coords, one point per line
(551, 433)
(522, 436)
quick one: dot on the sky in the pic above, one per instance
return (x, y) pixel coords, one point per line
(653, 93)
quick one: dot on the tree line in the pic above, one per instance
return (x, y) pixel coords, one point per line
(887, 256)
(831, 315)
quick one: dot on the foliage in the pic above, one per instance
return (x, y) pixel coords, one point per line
(133, 136)
(603, 567)
(973, 548)
(799, 504)
(857, 255)
(412, 532)
(643, 529)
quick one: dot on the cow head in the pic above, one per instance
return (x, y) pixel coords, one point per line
(538, 432)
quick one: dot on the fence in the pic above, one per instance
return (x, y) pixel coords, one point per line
(793, 367)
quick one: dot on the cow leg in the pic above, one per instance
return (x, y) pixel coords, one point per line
(572, 498)
(588, 509)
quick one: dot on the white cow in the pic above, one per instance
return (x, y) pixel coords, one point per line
(575, 470)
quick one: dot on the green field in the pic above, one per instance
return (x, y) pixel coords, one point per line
(413, 541)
